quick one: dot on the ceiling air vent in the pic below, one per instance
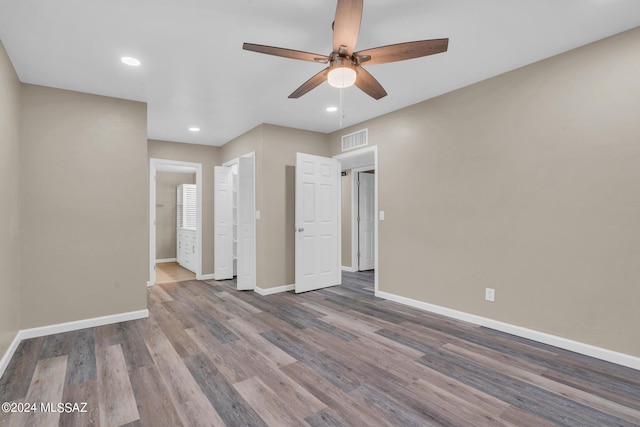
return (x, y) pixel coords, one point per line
(355, 140)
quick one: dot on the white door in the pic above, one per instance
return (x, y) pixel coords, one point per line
(223, 223)
(246, 271)
(366, 221)
(317, 247)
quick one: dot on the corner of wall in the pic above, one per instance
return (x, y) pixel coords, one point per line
(10, 218)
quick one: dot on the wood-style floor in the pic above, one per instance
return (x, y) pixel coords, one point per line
(167, 272)
(210, 355)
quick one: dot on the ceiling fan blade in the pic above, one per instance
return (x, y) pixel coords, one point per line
(368, 84)
(402, 51)
(347, 24)
(312, 83)
(286, 53)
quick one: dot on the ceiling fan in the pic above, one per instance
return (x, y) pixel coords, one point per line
(345, 65)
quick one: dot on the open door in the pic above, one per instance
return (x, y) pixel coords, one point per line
(366, 221)
(246, 267)
(317, 247)
(223, 223)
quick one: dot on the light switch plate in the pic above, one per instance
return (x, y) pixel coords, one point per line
(381, 215)
(257, 214)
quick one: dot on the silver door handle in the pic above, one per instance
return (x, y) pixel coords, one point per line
(300, 229)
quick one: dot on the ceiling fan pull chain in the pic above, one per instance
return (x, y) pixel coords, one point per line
(341, 106)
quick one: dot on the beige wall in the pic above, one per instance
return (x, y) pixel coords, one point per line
(527, 183)
(9, 207)
(244, 144)
(166, 210)
(84, 212)
(276, 149)
(209, 157)
(278, 209)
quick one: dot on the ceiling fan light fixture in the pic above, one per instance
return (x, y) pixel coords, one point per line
(341, 77)
(342, 74)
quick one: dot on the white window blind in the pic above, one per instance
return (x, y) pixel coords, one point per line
(186, 196)
(190, 207)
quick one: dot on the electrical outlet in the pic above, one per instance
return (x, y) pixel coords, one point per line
(490, 294)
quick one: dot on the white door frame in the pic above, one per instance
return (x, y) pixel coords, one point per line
(349, 157)
(156, 165)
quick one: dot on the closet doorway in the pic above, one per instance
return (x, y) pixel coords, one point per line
(235, 221)
(174, 166)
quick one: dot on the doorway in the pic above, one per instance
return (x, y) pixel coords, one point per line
(235, 221)
(363, 240)
(163, 165)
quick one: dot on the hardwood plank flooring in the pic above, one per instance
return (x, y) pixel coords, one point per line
(116, 400)
(209, 355)
(167, 272)
(47, 385)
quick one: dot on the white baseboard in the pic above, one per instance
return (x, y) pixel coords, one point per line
(82, 324)
(4, 362)
(349, 269)
(67, 327)
(276, 290)
(207, 277)
(545, 338)
(158, 261)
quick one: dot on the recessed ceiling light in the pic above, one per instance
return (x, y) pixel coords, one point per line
(134, 62)
(332, 109)
(194, 129)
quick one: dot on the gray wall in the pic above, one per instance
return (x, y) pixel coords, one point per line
(84, 206)
(166, 210)
(9, 207)
(527, 183)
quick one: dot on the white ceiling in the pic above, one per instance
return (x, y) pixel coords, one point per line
(195, 73)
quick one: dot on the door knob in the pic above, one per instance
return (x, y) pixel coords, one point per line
(300, 229)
